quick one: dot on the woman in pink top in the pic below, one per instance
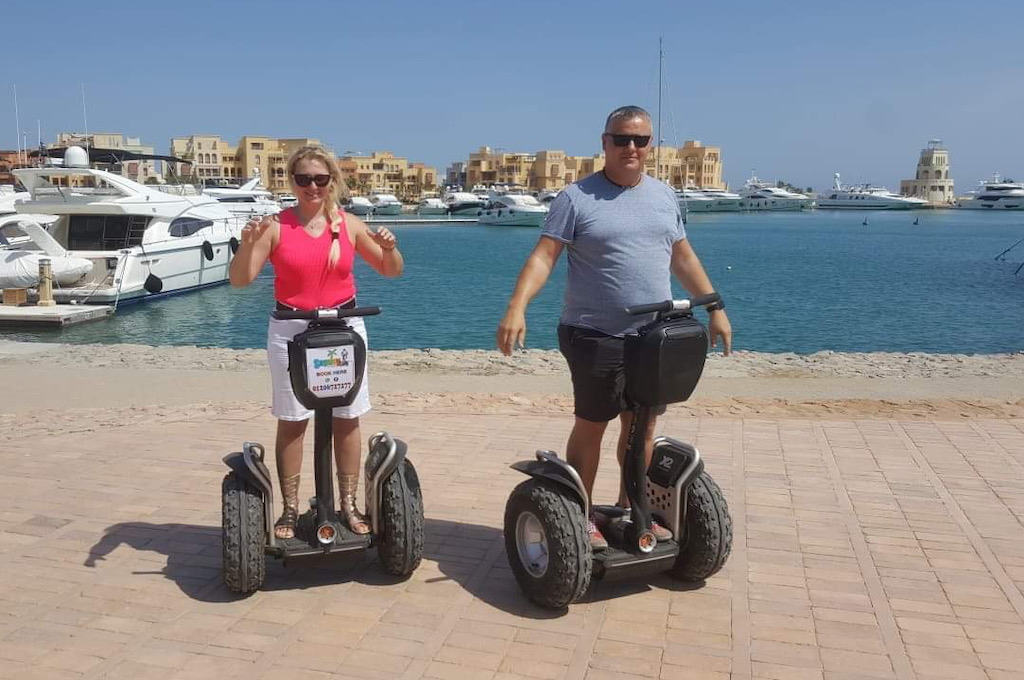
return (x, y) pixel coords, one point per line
(312, 248)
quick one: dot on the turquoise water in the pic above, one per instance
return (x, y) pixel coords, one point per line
(793, 282)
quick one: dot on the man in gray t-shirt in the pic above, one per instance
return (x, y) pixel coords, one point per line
(625, 236)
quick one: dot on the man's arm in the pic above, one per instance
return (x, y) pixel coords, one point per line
(532, 277)
(687, 268)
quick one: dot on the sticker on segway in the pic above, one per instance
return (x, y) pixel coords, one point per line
(330, 371)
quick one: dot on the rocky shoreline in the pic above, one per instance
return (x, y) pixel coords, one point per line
(891, 365)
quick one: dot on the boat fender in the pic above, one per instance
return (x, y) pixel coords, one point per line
(208, 251)
(479, 213)
(233, 244)
(153, 284)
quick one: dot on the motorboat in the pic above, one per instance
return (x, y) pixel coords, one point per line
(140, 243)
(287, 201)
(866, 197)
(722, 200)
(385, 204)
(759, 195)
(692, 200)
(513, 210)
(359, 205)
(548, 195)
(464, 203)
(249, 200)
(431, 206)
(994, 194)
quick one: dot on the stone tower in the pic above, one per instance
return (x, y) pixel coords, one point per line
(933, 182)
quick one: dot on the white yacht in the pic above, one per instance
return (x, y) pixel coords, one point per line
(994, 195)
(385, 204)
(866, 197)
(758, 195)
(358, 205)
(287, 201)
(464, 203)
(692, 200)
(249, 200)
(431, 206)
(722, 200)
(140, 243)
(548, 195)
(513, 210)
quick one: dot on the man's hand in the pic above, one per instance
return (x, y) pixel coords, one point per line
(512, 331)
(718, 325)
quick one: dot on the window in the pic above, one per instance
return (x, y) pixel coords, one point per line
(256, 146)
(199, 144)
(186, 226)
(257, 159)
(105, 232)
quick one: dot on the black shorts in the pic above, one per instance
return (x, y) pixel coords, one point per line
(597, 364)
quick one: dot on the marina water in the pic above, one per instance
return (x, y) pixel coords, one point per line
(793, 282)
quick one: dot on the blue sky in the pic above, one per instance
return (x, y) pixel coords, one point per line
(796, 90)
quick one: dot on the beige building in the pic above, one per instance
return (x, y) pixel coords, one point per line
(692, 164)
(933, 182)
(549, 169)
(141, 171)
(211, 160)
(384, 172)
(487, 166)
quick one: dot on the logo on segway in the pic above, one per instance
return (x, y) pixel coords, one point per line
(646, 541)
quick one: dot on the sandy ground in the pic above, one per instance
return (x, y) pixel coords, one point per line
(83, 387)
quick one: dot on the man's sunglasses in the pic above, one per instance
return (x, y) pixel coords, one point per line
(306, 180)
(639, 141)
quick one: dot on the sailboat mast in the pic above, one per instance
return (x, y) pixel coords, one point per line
(657, 152)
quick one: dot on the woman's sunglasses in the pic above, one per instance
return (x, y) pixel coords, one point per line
(306, 180)
(639, 141)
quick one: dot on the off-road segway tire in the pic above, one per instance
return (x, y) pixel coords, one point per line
(244, 536)
(707, 539)
(565, 574)
(400, 542)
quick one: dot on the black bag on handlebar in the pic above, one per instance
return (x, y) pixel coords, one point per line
(664, 360)
(325, 364)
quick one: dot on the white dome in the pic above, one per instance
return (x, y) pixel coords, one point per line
(76, 157)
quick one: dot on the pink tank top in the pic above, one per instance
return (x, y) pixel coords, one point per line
(302, 277)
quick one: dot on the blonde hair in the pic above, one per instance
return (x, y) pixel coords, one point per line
(336, 191)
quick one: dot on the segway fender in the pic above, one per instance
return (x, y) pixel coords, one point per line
(248, 464)
(385, 456)
(549, 466)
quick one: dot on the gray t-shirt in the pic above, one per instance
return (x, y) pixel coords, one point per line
(620, 249)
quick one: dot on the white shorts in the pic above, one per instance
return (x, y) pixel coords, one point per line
(285, 405)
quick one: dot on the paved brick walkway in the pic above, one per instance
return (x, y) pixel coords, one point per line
(862, 549)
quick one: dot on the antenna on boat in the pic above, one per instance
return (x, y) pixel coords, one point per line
(17, 122)
(657, 152)
(85, 119)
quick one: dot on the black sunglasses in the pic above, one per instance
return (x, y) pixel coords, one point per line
(306, 180)
(639, 141)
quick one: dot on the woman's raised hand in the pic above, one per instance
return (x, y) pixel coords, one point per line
(383, 238)
(254, 230)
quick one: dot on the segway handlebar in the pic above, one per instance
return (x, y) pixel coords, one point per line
(321, 314)
(675, 305)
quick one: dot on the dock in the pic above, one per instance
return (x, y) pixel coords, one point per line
(404, 220)
(57, 316)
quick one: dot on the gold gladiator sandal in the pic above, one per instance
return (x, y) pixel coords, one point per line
(285, 526)
(348, 485)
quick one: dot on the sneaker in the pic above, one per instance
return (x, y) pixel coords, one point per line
(660, 532)
(597, 540)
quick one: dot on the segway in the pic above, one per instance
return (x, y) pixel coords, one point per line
(546, 518)
(325, 364)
